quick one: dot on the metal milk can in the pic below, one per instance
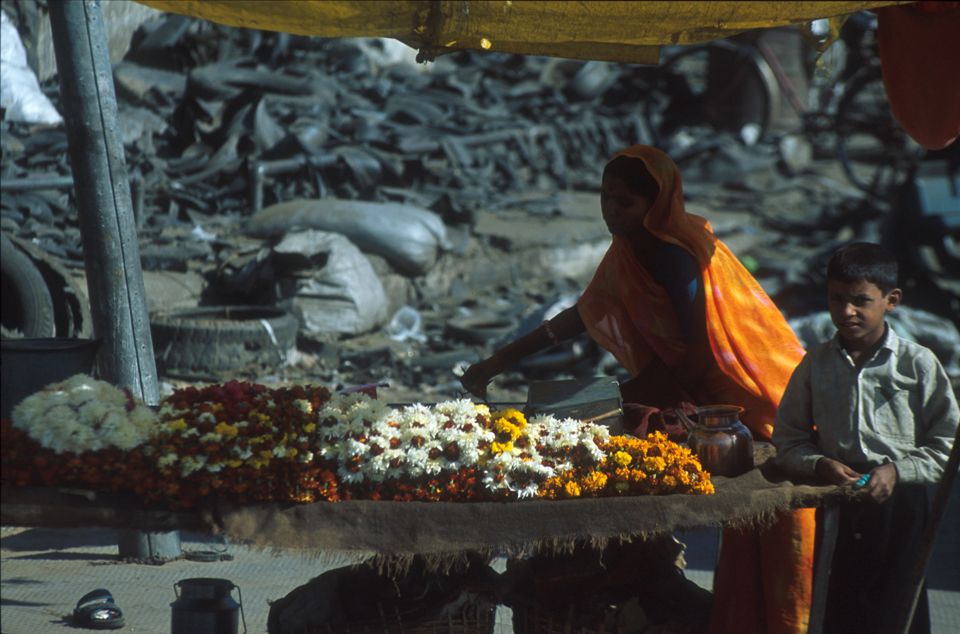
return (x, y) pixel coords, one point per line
(205, 605)
(723, 444)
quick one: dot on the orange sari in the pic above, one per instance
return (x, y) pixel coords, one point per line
(764, 578)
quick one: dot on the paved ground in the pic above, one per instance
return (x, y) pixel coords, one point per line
(44, 572)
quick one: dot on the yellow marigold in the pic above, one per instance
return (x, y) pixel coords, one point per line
(594, 482)
(622, 458)
(233, 464)
(216, 407)
(309, 427)
(658, 437)
(654, 464)
(266, 454)
(513, 415)
(482, 409)
(501, 447)
(177, 425)
(551, 488)
(504, 426)
(572, 489)
(226, 429)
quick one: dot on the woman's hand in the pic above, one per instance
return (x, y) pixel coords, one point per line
(834, 472)
(476, 377)
(882, 481)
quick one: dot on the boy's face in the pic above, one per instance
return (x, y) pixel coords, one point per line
(858, 310)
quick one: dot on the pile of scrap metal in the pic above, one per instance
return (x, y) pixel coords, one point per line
(263, 164)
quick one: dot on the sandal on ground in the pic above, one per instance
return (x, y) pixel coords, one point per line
(97, 611)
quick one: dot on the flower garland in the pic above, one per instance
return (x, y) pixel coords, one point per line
(416, 452)
(83, 414)
(249, 444)
(634, 466)
(244, 441)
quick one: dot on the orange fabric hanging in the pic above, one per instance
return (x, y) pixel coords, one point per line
(764, 579)
(920, 57)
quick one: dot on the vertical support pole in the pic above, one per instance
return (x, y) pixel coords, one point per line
(107, 225)
(828, 525)
(102, 187)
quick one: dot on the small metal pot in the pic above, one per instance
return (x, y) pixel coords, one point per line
(723, 444)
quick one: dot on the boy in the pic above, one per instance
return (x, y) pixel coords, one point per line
(876, 412)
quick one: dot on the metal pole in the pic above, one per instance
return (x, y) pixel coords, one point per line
(107, 225)
(102, 187)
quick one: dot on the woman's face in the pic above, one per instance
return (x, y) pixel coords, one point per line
(623, 209)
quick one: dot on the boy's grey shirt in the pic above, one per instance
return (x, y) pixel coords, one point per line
(899, 407)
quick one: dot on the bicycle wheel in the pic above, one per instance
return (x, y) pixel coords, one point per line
(721, 84)
(876, 153)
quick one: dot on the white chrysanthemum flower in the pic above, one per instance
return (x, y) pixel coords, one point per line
(243, 453)
(167, 460)
(211, 437)
(461, 411)
(189, 464)
(82, 414)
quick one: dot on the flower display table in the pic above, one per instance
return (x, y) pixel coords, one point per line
(433, 529)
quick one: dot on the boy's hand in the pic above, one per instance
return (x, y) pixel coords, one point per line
(882, 481)
(834, 472)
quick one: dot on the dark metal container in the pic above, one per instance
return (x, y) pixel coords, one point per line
(29, 365)
(723, 444)
(205, 606)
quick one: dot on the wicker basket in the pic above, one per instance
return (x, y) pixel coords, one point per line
(610, 619)
(473, 618)
(535, 619)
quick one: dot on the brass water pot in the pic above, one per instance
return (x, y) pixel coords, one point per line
(723, 444)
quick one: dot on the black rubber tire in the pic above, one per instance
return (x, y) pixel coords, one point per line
(209, 341)
(479, 329)
(27, 303)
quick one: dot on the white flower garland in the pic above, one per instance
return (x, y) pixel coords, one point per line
(84, 414)
(372, 443)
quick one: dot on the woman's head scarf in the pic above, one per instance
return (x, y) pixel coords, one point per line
(630, 315)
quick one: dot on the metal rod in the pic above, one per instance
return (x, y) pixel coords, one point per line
(107, 226)
(34, 184)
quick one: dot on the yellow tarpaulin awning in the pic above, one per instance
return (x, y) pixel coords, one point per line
(629, 32)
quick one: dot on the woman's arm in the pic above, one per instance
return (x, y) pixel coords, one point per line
(564, 326)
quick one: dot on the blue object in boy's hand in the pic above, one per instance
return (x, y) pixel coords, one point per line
(862, 482)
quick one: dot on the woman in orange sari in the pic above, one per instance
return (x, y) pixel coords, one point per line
(690, 324)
